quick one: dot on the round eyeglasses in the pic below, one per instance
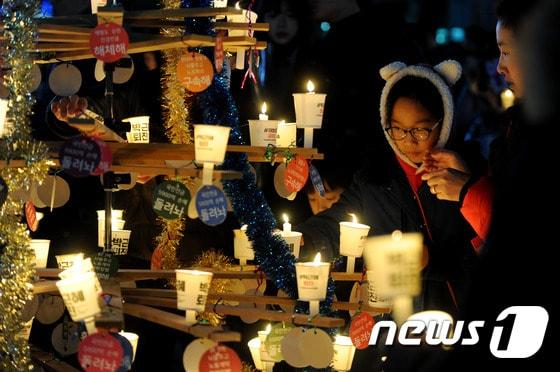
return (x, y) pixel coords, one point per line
(418, 134)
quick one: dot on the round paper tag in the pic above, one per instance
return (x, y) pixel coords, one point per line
(248, 319)
(3, 192)
(121, 75)
(194, 351)
(31, 216)
(195, 72)
(219, 358)
(279, 186)
(80, 156)
(170, 199)
(219, 51)
(358, 293)
(100, 352)
(127, 352)
(50, 309)
(296, 174)
(30, 308)
(53, 192)
(273, 342)
(319, 346)
(292, 350)
(106, 158)
(108, 42)
(65, 338)
(65, 80)
(211, 205)
(316, 180)
(35, 77)
(360, 330)
(34, 197)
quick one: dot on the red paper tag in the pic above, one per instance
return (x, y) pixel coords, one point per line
(106, 158)
(195, 72)
(296, 174)
(219, 358)
(108, 42)
(219, 51)
(100, 353)
(360, 330)
(31, 216)
(157, 258)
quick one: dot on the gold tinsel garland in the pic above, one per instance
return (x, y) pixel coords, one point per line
(16, 256)
(216, 260)
(175, 119)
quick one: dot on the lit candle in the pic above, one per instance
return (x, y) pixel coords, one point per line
(352, 239)
(508, 98)
(310, 87)
(343, 353)
(255, 348)
(397, 255)
(287, 226)
(312, 279)
(264, 333)
(309, 112)
(263, 115)
(242, 246)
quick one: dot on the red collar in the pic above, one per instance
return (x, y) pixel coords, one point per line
(415, 180)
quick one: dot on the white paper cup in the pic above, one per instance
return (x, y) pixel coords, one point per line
(41, 249)
(66, 261)
(80, 295)
(352, 238)
(133, 339)
(119, 242)
(286, 134)
(343, 353)
(395, 256)
(97, 3)
(117, 224)
(255, 349)
(139, 129)
(263, 132)
(192, 289)
(242, 246)
(293, 240)
(309, 109)
(242, 18)
(210, 143)
(82, 266)
(115, 213)
(312, 280)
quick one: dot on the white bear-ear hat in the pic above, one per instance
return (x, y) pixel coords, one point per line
(442, 76)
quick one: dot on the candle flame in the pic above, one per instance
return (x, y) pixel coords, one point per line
(285, 217)
(268, 328)
(237, 5)
(244, 228)
(354, 218)
(508, 93)
(317, 258)
(310, 86)
(396, 235)
(263, 108)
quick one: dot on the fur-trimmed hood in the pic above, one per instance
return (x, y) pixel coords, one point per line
(441, 76)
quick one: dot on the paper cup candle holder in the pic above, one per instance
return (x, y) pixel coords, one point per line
(309, 112)
(41, 249)
(246, 16)
(242, 247)
(81, 297)
(292, 238)
(353, 236)
(192, 291)
(210, 144)
(312, 279)
(263, 132)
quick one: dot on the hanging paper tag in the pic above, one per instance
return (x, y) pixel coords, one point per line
(193, 353)
(297, 172)
(170, 199)
(65, 338)
(54, 191)
(100, 353)
(320, 342)
(106, 158)
(31, 216)
(211, 205)
(65, 80)
(80, 156)
(105, 265)
(360, 330)
(219, 51)
(219, 358)
(108, 42)
(273, 342)
(50, 309)
(292, 349)
(195, 72)
(3, 192)
(316, 180)
(127, 352)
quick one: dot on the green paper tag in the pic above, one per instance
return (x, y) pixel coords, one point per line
(273, 341)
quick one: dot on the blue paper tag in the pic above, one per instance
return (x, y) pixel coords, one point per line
(316, 180)
(126, 364)
(211, 205)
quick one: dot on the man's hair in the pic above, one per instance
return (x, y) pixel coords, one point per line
(512, 13)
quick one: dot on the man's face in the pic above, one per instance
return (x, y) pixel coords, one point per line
(508, 65)
(319, 203)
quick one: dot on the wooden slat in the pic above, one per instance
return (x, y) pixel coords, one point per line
(180, 13)
(49, 362)
(61, 47)
(177, 322)
(44, 286)
(241, 26)
(63, 38)
(64, 30)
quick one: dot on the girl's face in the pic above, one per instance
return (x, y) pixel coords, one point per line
(408, 114)
(283, 25)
